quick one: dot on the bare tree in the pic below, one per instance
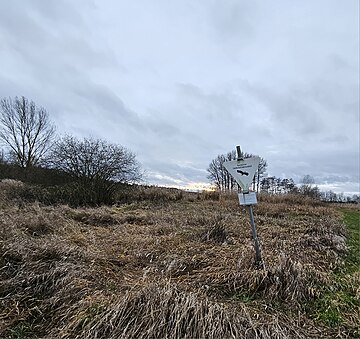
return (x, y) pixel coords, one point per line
(307, 180)
(95, 159)
(96, 167)
(221, 178)
(259, 172)
(307, 187)
(25, 130)
(218, 175)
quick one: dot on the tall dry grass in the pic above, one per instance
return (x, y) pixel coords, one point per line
(178, 269)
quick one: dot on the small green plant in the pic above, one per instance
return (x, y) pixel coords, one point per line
(328, 310)
(21, 330)
(242, 297)
(90, 314)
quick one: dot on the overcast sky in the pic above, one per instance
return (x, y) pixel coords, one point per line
(179, 82)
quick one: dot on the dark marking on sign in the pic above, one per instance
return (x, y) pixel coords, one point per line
(242, 172)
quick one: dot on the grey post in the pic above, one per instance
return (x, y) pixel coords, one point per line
(258, 260)
(238, 152)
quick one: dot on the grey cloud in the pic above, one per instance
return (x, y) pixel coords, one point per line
(289, 110)
(24, 29)
(60, 11)
(191, 93)
(58, 60)
(108, 102)
(232, 19)
(335, 139)
(337, 89)
(161, 128)
(333, 178)
(340, 165)
(339, 63)
(210, 106)
(193, 127)
(16, 22)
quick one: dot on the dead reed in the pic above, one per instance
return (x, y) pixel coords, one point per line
(182, 269)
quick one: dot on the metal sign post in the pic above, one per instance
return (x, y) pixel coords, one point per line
(258, 260)
(243, 171)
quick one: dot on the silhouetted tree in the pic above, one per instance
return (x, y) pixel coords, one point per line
(307, 180)
(268, 185)
(25, 130)
(307, 187)
(95, 159)
(273, 185)
(218, 175)
(221, 178)
(96, 165)
(260, 173)
(288, 186)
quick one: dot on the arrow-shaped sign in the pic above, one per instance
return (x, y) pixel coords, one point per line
(243, 170)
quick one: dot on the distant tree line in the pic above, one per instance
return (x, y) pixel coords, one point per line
(224, 182)
(330, 196)
(273, 185)
(91, 168)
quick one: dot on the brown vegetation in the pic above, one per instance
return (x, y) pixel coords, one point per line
(168, 265)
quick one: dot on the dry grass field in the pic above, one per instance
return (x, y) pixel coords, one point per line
(177, 267)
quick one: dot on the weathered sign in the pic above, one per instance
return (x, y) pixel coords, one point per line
(243, 170)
